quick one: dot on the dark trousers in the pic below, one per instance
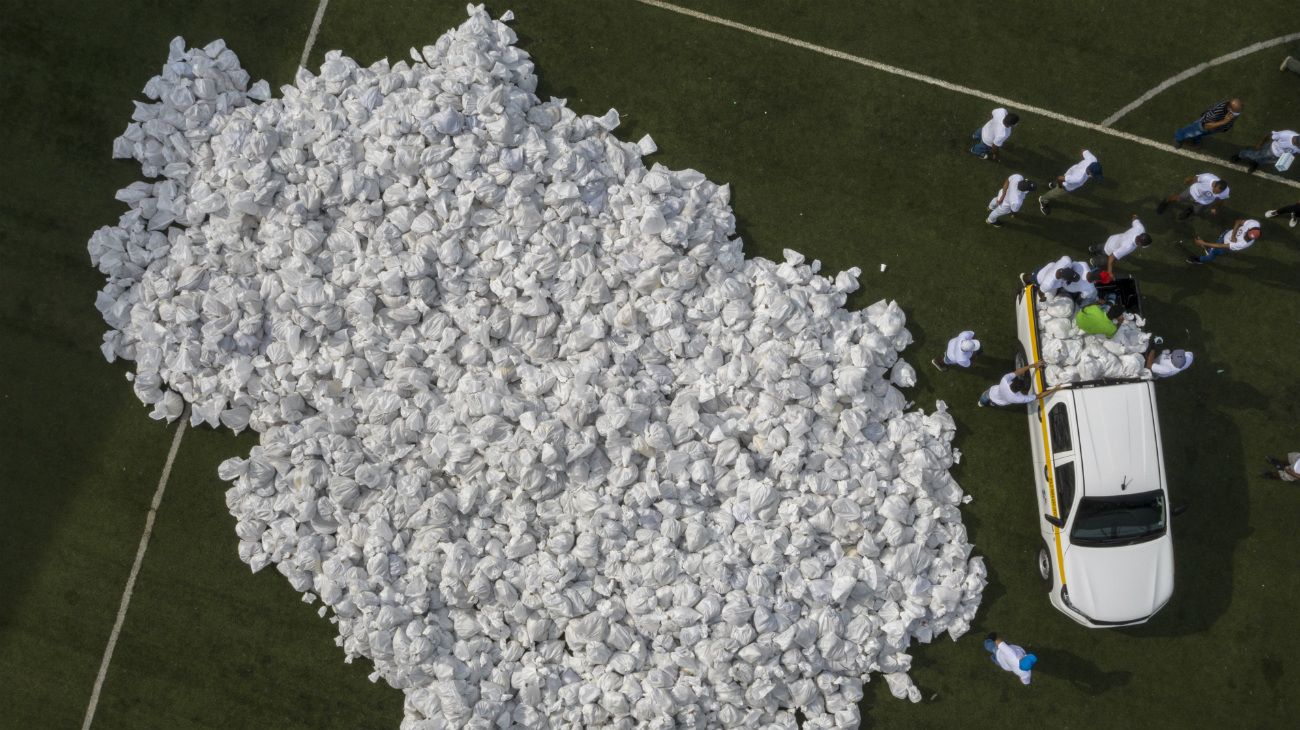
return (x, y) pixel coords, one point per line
(1289, 210)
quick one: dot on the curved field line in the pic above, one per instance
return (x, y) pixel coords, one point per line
(1195, 70)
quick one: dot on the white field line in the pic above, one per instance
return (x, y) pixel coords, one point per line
(1195, 70)
(940, 83)
(311, 35)
(135, 572)
(162, 486)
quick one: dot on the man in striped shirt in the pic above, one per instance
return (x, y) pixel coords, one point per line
(1216, 119)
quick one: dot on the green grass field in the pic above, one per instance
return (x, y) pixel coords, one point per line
(847, 164)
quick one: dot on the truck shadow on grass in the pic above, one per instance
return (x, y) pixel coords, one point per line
(1082, 674)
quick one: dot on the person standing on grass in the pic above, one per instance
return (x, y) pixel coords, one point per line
(1203, 192)
(1010, 657)
(1241, 236)
(1073, 179)
(1009, 198)
(1267, 152)
(1167, 362)
(959, 352)
(1287, 471)
(995, 132)
(1122, 244)
(1014, 389)
(1215, 120)
(1291, 210)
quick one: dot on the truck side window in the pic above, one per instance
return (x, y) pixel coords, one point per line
(1064, 481)
(1058, 421)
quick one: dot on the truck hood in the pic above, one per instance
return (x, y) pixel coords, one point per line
(1120, 584)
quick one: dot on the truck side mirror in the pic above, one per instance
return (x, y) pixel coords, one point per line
(1057, 521)
(1180, 509)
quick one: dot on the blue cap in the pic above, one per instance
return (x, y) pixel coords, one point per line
(1095, 169)
(1027, 662)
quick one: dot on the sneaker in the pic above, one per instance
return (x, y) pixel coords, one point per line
(1052, 185)
(979, 403)
(1160, 207)
(1269, 475)
(994, 223)
(937, 365)
(1251, 166)
(1096, 249)
(1295, 220)
(1187, 213)
(1193, 260)
(1178, 144)
(1285, 61)
(1158, 340)
(1276, 462)
(1270, 214)
(1045, 207)
(1235, 157)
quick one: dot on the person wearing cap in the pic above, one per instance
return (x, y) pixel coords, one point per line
(1009, 198)
(1064, 276)
(995, 132)
(1122, 244)
(1215, 120)
(1203, 192)
(1093, 319)
(1168, 362)
(1014, 389)
(959, 352)
(1010, 657)
(1241, 236)
(1267, 152)
(1073, 179)
(1287, 470)
(1289, 210)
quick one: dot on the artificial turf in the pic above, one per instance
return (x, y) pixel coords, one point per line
(845, 164)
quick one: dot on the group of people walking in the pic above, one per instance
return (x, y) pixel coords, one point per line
(1199, 194)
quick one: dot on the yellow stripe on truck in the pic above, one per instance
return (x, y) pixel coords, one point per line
(1042, 422)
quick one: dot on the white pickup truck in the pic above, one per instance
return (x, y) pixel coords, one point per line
(1103, 500)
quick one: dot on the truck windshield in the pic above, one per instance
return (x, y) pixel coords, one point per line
(1119, 520)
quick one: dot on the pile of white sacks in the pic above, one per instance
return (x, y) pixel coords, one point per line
(547, 447)
(1072, 356)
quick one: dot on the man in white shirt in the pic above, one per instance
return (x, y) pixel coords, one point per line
(1065, 276)
(1203, 191)
(1267, 152)
(990, 138)
(1073, 179)
(1014, 389)
(1168, 362)
(1122, 244)
(959, 351)
(1287, 471)
(1241, 236)
(1009, 198)
(1010, 657)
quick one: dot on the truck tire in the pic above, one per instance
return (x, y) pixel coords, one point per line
(1045, 564)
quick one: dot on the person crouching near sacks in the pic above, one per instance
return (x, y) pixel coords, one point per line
(1014, 389)
(1165, 363)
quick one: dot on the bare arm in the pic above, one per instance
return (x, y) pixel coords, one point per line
(1027, 368)
(1048, 392)
(1207, 244)
(1110, 265)
(1003, 194)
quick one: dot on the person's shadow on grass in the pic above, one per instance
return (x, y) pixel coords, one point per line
(1079, 672)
